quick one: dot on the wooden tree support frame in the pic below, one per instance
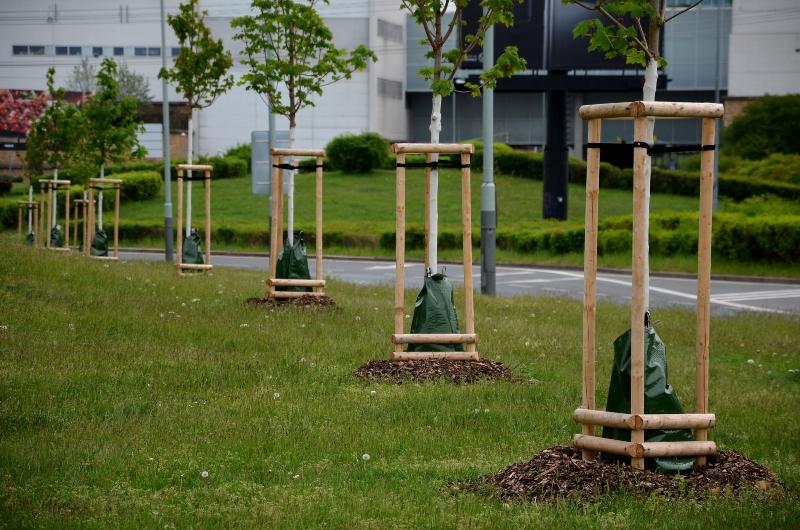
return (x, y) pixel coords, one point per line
(104, 184)
(23, 207)
(49, 189)
(637, 421)
(206, 170)
(276, 233)
(80, 214)
(469, 339)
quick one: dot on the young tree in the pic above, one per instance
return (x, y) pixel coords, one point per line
(200, 72)
(82, 78)
(54, 138)
(631, 29)
(287, 41)
(133, 84)
(431, 15)
(111, 126)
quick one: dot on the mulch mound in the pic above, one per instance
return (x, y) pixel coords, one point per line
(301, 301)
(560, 473)
(415, 371)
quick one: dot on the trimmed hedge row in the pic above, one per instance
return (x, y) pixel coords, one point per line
(139, 185)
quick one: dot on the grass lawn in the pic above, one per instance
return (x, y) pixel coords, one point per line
(122, 383)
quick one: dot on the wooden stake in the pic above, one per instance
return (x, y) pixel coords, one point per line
(703, 331)
(590, 277)
(604, 445)
(400, 244)
(49, 215)
(639, 281)
(449, 355)
(318, 239)
(698, 449)
(179, 246)
(466, 224)
(19, 220)
(116, 220)
(288, 282)
(207, 187)
(88, 228)
(273, 233)
(66, 219)
(280, 208)
(434, 338)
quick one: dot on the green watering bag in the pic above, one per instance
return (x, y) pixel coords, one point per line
(56, 236)
(434, 312)
(193, 249)
(293, 264)
(99, 243)
(659, 397)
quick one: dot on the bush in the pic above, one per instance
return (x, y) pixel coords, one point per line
(357, 153)
(477, 154)
(765, 126)
(6, 182)
(777, 166)
(226, 167)
(8, 213)
(242, 152)
(139, 185)
(525, 164)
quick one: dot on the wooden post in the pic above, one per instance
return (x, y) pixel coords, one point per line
(42, 221)
(638, 268)
(19, 219)
(207, 189)
(88, 228)
(590, 277)
(466, 222)
(703, 331)
(276, 220)
(75, 215)
(49, 216)
(35, 217)
(428, 159)
(400, 245)
(280, 208)
(179, 242)
(116, 220)
(318, 239)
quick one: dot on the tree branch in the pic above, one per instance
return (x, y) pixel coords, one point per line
(609, 16)
(682, 11)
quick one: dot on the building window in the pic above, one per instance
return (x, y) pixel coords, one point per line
(119, 52)
(176, 52)
(97, 51)
(390, 89)
(390, 31)
(19, 50)
(154, 52)
(75, 50)
(140, 52)
(61, 50)
(36, 50)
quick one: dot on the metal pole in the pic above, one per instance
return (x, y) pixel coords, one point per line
(168, 252)
(488, 208)
(717, 99)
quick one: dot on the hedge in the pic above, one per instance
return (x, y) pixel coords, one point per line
(139, 185)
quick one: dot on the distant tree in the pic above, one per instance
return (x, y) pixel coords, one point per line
(82, 78)
(765, 126)
(287, 43)
(133, 84)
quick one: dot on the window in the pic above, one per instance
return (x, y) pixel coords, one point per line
(390, 89)
(61, 50)
(97, 51)
(36, 50)
(140, 52)
(154, 52)
(19, 50)
(75, 50)
(390, 31)
(118, 52)
(176, 52)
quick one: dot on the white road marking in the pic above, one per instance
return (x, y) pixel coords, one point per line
(759, 295)
(543, 280)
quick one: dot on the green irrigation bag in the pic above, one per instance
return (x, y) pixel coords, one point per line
(293, 264)
(30, 238)
(434, 312)
(659, 397)
(56, 237)
(99, 245)
(192, 249)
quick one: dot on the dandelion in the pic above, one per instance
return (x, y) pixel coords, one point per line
(358, 317)
(204, 474)
(3, 328)
(476, 411)
(195, 300)
(527, 343)
(373, 392)
(245, 325)
(365, 457)
(750, 361)
(276, 396)
(296, 477)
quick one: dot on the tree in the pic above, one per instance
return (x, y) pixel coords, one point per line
(431, 15)
(200, 71)
(82, 78)
(133, 84)
(287, 41)
(765, 126)
(631, 29)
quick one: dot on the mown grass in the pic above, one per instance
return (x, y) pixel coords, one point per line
(121, 383)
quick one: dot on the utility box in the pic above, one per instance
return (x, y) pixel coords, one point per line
(261, 161)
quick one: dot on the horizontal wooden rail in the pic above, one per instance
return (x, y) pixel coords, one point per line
(106, 258)
(194, 167)
(658, 109)
(420, 149)
(55, 181)
(197, 266)
(618, 420)
(118, 182)
(279, 151)
(288, 282)
(420, 356)
(692, 448)
(604, 445)
(434, 338)
(644, 421)
(294, 294)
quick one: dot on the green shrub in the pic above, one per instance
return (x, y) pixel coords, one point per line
(226, 167)
(765, 126)
(6, 183)
(477, 154)
(242, 152)
(139, 185)
(8, 213)
(357, 153)
(138, 165)
(777, 166)
(525, 164)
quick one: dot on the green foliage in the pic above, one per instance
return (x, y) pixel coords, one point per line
(287, 41)
(201, 69)
(477, 154)
(429, 15)
(525, 164)
(111, 124)
(56, 137)
(6, 183)
(765, 126)
(777, 166)
(243, 152)
(226, 167)
(357, 153)
(133, 84)
(139, 185)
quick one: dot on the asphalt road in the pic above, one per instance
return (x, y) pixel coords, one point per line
(726, 296)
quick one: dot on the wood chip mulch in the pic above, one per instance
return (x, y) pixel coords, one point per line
(418, 371)
(301, 301)
(560, 473)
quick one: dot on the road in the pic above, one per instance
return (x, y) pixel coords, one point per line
(727, 296)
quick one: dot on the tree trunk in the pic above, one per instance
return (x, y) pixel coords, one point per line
(30, 210)
(100, 198)
(435, 129)
(648, 94)
(290, 194)
(55, 198)
(189, 160)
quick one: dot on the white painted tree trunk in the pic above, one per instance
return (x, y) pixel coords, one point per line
(433, 243)
(648, 94)
(290, 192)
(189, 160)
(100, 199)
(55, 198)
(30, 211)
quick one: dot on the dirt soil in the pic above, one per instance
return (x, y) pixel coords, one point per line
(560, 473)
(416, 371)
(302, 301)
